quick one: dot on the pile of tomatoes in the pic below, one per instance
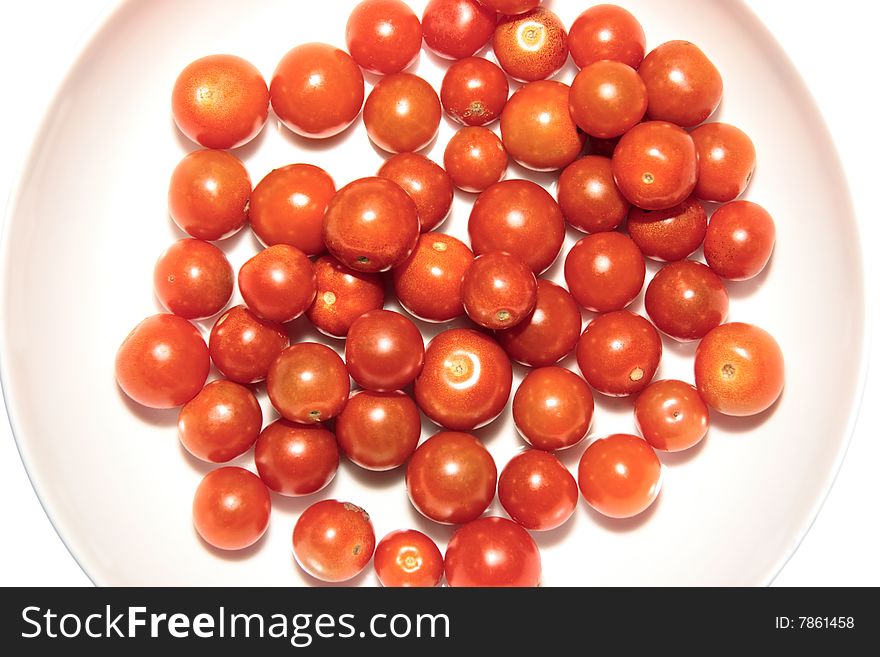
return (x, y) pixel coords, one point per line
(654, 167)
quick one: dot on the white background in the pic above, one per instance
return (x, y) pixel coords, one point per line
(832, 46)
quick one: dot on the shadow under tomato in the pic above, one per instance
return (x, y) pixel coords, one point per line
(438, 532)
(745, 289)
(158, 417)
(556, 536)
(733, 424)
(313, 144)
(197, 464)
(371, 478)
(679, 458)
(296, 505)
(622, 525)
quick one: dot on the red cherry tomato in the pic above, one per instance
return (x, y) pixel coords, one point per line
(163, 362)
(408, 558)
(402, 113)
(553, 408)
(427, 184)
(209, 195)
(671, 234)
(308, 383)
(231, 508)
(379, 430)
(475, 159)
(455, 29)
(343, 295)
(296, 459)
(333, 541)
(607, 99)
(511, 7)
(606, 32)
(220, 423)
(383, 36)
(671, 415)
(498, 290)
(243, 346)
(619, 353)
(605, 271)
(492, 552)
(451, 478)
(531, 46)
(686, 300)
(474, 91)
(537, 491)
(727, 161)
(588, 196)
(384, 351)
(317, 90)
(278, 283)
(739, 240)
(193, 279)
(619, 476)
(220, 101)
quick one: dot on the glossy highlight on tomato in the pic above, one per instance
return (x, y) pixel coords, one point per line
(606, 32)
(475, 159)
(686, 300)
(427, 184)
(193, 279)
(296, 459)
(498, 290)
(278, 283)
(344, 294)
(492, 552)
(379, 430)
(220, 423)
(671, 234)
(384, 351)
(333, 541)
(474, 91)
(383, 36)
(727, 161)
(231, 508)
(553, 408)
(531, 46)
(739, 240)
(537, 491)
(605, 271)
(671, 415)
(456, 29)
(308, 383)
(408, 558)
(402, 113)
(588, 196)
(607, 98)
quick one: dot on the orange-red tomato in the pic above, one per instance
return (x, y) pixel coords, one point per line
(427, 184)
(671, 234)
(531, 46)
(671, 415)
(220, 423)
(726, 161)
(739, 240)
(384, 351)
(296, 459)
(407, 557)
(493, 552)
(455, 29)
(475, 159)
(231, 508)
(343, 295)
(606, 32)
(278, 283)
(193, 279)
(474, 91)
(498, 290)
(511, 7)
(379, 430)
(588, 196)
(553, 408)
(333, 541)
(686, 300)
(537, 491)
(383, 36)
(308, 383)
(607, 98)
(605, 271)
(402, 113)
(243, 346)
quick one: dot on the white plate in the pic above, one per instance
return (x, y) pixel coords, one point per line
(89, 218)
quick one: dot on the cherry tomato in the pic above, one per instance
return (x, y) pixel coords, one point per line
(383, 36)
(384, 351)
(193, 279)
(655, 165)
(588, 196)
(427, 184)
(243, 346)
(407, 557)
(520, 218)
(209, 195)
(684, 87)
(343, 295)
(231, 508)
(549, 333)
(333, 541)
(498, 290)
(671, 234)
(739, 369)
(553, 408)
(511, 7)
(402, 113)
(686, 300)
(220, 423)
(606, 32)
(531, 46)
(428, 283)
(466, 380)
(287, 207)
(220, 101)
(739, 241)
(492, 551)
(605, 271)
(607, 98)
(619, 476)
(537, 128)
(451, 478)
(163, 362)
(474, 91)
(619, 353)
(671, 415)
(308, 383)
(726, 161)
(278, 283)
(537, 491)
(379, 430)
(475, 159)
(455, 29)
(371, 225)
(317, 90)
(296, 459)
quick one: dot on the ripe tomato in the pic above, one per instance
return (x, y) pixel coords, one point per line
(220, 423)
(671, 415)
(451, 478)
(531, 46)
(498, 290)
(163, 362)
(317, 90)
(278, 283)
(383, 36)
(619, 352)
(220, 101)
(520, 218)
(474, 91)
(739, 240)
(727, 161)
(379, 430)
(308, 383)
(402, 113)
(686, 300)
(511, 7)
(492, 551)
(333, 541)
(193, 279)
(537, 491)
(607, 98)
(384, 351)
(243, 346)
(427, 184)
(455, 29)
(684, 87)
(343, 295)
(287, 207)
(619, 476)
(296, 459)
(553, 408)
(606, 32)
(407, 557)
(671, 234)
(209, 195)
(605, 271)
(231, 508)
(466, 380)
(475, 159)
(739, 369)
(655, 165)
(371, 225)
(588, 196)
(428, 283)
